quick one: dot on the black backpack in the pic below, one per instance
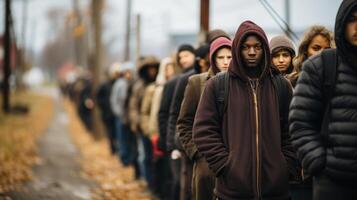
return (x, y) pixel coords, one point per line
(222, 89)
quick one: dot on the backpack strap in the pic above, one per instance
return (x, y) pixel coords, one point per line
(222, 90)
(282, 87)
(329, 60)
(329, 65)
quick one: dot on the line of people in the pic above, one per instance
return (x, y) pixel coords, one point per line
(245, 118)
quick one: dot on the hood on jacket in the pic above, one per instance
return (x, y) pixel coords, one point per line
(216, 45)
(161, 76)
(144, 64)
(236, 67)
(345, 50)
(201, 53)
(280, 42)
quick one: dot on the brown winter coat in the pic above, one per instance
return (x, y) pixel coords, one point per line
(246, 149)
(188, 109)
(146, 109)
(138, 90)
(134, 105)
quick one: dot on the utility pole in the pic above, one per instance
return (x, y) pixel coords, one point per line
(204, 20)
(127, 31)
(22, 51)
(138, 36)
(97, 7)
(287, 16)
(33, 40)
(24, 23)
(78, 35)
(7, 52)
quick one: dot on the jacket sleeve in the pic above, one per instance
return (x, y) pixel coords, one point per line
(119, 96)
(163, 114)
(207, 130)
(174, 112)
(186, 117)
(114, 96)
(306, 112)
(286, 146)
(155, 104)
(145, 109)
(134, 112)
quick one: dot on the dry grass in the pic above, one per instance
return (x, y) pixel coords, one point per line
(116, 181)
(18, 134)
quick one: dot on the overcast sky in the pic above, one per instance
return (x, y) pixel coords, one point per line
(162, 17)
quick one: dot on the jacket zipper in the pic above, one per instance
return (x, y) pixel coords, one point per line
(257, 142)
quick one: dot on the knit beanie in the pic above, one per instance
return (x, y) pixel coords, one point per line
(281, 42)
(216, 33)
(186, 47)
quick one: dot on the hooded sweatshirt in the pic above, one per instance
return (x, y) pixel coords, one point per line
(345, 50)
(246, 149)
(192, 96)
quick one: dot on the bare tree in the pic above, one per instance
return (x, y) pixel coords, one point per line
(59, 49)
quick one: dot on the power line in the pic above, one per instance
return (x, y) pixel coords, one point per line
(272, 15)
(278, 19)
(282, 20)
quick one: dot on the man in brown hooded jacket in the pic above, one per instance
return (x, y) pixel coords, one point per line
(248, 149)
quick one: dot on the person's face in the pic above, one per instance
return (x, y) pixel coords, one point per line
(317, 44)
(169, 71)
(223, 58)
(152, 72)
(282, 60)
(351, 29)
(186, 59)
(128, 75)
(252, 51)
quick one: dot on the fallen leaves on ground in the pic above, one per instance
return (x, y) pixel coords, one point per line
(115, 181)
(18, 134)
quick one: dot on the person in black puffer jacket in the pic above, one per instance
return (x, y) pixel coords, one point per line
(332, 162)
